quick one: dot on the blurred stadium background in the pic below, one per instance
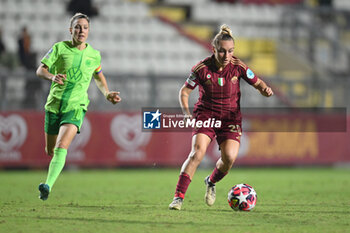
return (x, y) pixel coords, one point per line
(300, 47)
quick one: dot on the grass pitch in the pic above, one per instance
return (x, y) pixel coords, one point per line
(136, 200)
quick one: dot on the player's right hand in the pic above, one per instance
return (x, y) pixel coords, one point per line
(58, 78)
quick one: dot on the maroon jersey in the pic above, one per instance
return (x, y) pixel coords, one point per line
(219, 92)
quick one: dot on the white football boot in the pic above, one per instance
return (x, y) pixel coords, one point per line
(176, 203)
(210, 194)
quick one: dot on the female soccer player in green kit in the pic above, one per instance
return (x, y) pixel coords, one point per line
(69, 65)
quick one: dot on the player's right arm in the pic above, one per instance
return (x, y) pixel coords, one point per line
(44, 73)
(184, 95)
(49, 60)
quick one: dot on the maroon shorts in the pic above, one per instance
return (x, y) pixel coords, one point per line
(227, 130)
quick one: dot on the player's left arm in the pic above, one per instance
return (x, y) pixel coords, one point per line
(264, 89)
(111, 96)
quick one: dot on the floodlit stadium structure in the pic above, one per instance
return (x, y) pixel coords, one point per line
(148, 48)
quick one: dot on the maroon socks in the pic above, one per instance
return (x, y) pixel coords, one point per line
(217, 175)
(182, 185)
(184, 181)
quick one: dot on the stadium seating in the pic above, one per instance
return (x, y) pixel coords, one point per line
(126, 31)
(134, 42)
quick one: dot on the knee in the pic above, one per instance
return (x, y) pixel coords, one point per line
(62, 144)
(197, 153)
(229, 158)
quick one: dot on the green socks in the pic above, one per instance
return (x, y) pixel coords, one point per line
(56, 165)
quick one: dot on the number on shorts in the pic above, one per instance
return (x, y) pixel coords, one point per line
(235, 129)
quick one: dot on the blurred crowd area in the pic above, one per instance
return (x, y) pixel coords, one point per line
(300, 47)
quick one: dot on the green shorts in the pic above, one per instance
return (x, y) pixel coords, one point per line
(54, 121)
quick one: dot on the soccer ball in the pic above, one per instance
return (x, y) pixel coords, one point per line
(242, 197)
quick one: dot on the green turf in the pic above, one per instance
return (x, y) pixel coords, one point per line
(289, 200)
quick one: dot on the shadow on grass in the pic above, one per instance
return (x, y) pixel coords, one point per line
(281, 209)
(284, 208)
(296, 208)
(285, 212)
(128, 221)
(125, 206)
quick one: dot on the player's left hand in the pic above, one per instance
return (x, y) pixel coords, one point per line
(113, 97)
(267, 92)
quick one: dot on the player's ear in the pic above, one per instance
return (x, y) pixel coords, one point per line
(71, 30)
(213, 49)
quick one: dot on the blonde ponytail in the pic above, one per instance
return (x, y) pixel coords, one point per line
(224, 34)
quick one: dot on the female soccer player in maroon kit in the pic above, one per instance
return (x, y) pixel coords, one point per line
(217, 78)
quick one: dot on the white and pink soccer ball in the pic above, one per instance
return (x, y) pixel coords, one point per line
(242, 197)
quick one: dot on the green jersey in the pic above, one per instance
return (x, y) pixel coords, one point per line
(78, 66)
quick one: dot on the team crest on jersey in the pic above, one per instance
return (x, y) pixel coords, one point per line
(74, 74)
(221, 81)
(208, 76)
(234, 79)
(88, 62)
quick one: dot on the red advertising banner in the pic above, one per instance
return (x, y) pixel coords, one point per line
(117, 139)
